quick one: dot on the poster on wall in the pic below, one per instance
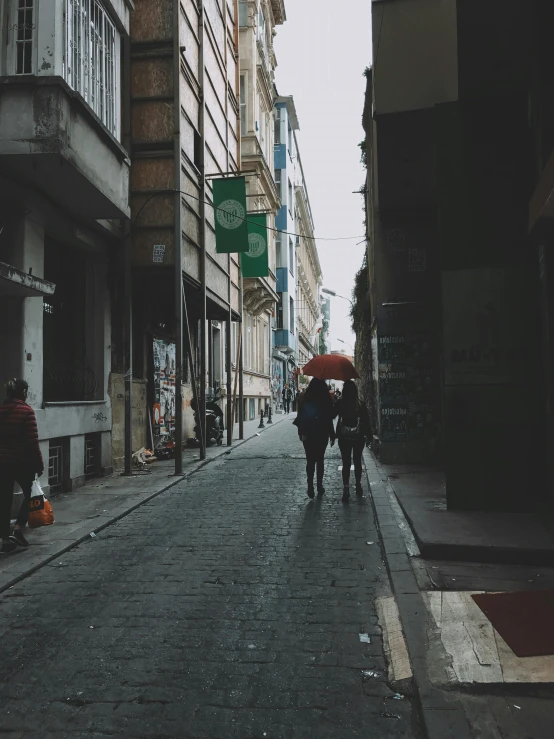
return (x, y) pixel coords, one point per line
(163, 412)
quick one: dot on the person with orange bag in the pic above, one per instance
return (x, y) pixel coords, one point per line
(20, 460)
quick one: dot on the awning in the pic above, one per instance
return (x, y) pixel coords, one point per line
(16, 283)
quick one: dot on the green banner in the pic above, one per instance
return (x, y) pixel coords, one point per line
(231, 230)
(255, 262)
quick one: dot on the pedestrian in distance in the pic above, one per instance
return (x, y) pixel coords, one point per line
(315, 428)
(20, 460)
(287, 397)
(353, 426)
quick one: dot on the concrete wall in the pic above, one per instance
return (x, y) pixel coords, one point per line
(140, 418)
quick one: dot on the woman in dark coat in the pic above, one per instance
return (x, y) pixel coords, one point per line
(315, 429)
(20, 460)
(353, 427)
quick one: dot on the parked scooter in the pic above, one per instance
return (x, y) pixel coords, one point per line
(214, 420)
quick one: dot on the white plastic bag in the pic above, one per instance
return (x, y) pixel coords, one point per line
(36, 490)
(40, 510)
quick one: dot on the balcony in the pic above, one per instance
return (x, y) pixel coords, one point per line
(60, 111)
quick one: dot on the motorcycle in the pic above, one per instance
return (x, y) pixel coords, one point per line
(214, 420)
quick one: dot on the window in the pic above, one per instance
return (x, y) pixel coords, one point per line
(290, 141)
(279, 315)
(243, 104)
(243, 13)
(278, 129)
(278, 181)
(92, 59)
(68, 366)
(290, 198)
(24, 41)
(279, 252)
(291, 256)
(291, 314)
(262, 35)
(252, 408)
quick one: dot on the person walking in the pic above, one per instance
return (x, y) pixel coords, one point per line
(20, 460)
(287, 396)
(353, 426)
(315, 428)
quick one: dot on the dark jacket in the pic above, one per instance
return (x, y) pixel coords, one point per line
(19, 446)
(327, 428)
(352, 420)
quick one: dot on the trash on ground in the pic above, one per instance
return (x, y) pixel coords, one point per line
(398, 697)
(384, 714)
(369, 674)
(91, 627)
(370, 542)
(518, 707)
(92, 535)
(143, 457)
(365, 638)
(257, 434)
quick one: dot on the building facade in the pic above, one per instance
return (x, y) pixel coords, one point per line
(309, 277)
(285, 343)
(185, 123)
(64, 188)
(258, 22)
(457, 141)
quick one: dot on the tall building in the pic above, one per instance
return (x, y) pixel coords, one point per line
(64, 175)
(185, 122)
(309, 275)
(258, 22)
(285, 344)
(460, 160)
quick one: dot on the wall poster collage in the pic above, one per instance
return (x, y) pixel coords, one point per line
(406, 381)
(163, 416)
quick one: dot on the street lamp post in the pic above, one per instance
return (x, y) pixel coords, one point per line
(347, 344)
(334, 294)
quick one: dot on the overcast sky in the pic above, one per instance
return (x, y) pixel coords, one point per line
(321, 56)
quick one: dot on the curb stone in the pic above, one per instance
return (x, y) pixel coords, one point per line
(442, 715)
(83, 533)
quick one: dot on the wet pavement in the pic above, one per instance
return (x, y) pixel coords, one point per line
(230, 606)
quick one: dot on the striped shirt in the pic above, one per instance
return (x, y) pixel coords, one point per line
(19, 446)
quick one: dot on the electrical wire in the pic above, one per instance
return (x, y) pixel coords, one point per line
(269, 228)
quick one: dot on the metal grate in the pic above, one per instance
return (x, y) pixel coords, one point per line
(91, 58)
(91, 455)
(55, 465)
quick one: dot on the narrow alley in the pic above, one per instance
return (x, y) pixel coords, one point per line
(230, 606)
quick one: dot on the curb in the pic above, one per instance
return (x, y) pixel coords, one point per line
(126, 509)
(442, 714)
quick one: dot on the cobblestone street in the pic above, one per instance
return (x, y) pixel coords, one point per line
(228, 607)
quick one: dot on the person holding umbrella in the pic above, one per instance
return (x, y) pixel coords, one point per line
(315, 428)
(325, 367)
(352, 428)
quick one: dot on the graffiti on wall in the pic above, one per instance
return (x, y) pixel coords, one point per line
(163, 415)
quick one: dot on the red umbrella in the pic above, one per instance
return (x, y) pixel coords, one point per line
(331, 367)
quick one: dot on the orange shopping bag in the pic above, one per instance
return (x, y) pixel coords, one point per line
(40, 510)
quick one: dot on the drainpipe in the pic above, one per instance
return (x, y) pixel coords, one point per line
(178, 240)
(204, 316)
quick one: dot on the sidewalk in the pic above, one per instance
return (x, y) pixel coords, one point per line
(518, 538)
(103, 500)
(468, 682)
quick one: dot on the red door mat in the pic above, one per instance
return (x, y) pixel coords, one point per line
(524, 620)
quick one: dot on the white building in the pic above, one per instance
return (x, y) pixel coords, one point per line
(63, 197)
(258, 20)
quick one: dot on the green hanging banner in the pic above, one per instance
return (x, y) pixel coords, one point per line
(255, 262)
(231, 230)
